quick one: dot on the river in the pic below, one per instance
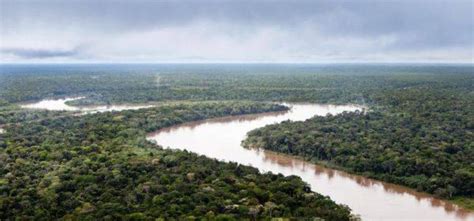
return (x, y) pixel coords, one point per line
(221, 138)
(373, 200)
(60, 105)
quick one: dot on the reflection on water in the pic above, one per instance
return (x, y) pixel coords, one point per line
(373, 200)
(60, 105)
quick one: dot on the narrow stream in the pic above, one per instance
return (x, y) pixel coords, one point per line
(372, 200)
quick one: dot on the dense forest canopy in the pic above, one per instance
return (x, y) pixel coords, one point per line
(102, 84)
(421, 136)
(418, 131)
(99, 166)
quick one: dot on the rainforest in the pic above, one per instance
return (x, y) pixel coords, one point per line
(410, 125)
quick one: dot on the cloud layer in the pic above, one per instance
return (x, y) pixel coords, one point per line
(39, 53)
(236, 31)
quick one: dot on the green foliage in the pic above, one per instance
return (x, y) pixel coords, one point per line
(418, 132)
(99, 166)
(421, 137)
(104, 84)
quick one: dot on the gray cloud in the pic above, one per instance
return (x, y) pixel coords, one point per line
(314, 30)
(39, 53)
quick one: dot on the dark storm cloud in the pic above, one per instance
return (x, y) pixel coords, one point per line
(146, 14)
(409, 25)
(39, 53)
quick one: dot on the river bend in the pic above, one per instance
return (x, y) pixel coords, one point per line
(373, 200)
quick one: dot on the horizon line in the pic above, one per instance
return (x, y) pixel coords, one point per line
(245, 63)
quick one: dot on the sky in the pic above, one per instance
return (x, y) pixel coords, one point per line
(227, 31)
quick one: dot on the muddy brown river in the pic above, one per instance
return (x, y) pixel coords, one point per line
(372, 200)
(221, 138)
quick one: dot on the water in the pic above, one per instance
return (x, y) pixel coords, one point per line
(372, 200)
(60, 105)
(221, 139)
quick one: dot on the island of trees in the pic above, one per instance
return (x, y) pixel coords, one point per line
(421, 136)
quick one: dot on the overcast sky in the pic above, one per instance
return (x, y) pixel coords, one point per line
(236, 31)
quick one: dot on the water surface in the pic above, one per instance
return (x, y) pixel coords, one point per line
(372, 200)
(60, 105)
